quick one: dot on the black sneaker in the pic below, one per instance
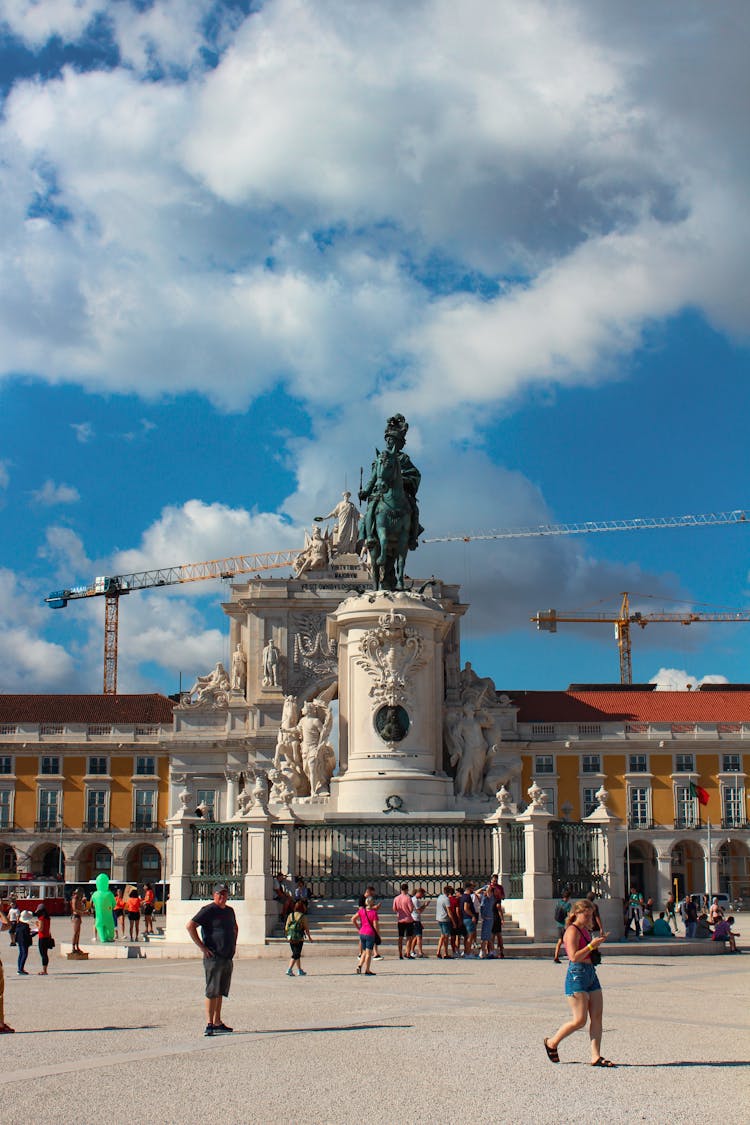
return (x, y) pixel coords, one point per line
(209, 1029)
(222, 1029)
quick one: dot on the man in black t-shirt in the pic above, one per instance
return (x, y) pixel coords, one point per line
(218, 926)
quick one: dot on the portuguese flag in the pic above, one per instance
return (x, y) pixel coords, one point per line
(699, 792)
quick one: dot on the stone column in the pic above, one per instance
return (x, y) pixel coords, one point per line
(610, 863)
(535, 913)
(232, 779)
(181, 907)
(390, 664)
(258, 916)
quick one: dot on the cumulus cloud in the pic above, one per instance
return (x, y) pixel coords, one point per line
(28, 661)
(459, 201)
(677, 679)
(51, 494)
(65, 550)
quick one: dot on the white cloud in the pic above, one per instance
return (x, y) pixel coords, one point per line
(50, 494)
(65, 549)
(84, 431)
(28, 662)
(287, 216)
(677, 679)
(37, 21)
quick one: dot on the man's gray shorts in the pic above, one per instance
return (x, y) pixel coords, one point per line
(218, 976)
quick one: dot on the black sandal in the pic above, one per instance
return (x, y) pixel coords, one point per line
(601, 1061)
(552, 1054)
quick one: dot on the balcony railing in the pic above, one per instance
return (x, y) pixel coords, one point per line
(686, 822)
(145, 826)
(95, 826)
(734, 822)
(640, 823)
(51, 824)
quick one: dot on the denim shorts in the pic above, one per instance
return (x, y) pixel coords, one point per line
(445, 927)
(367, 941)
(470, 926)
(581, 977)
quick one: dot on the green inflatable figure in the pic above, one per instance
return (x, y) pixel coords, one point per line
(103, 902)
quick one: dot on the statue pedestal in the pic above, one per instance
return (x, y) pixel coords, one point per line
(390, 665)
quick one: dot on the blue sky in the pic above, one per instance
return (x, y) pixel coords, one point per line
(236, 237)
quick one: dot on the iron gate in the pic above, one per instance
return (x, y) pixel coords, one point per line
(577, 851)
(339, 861)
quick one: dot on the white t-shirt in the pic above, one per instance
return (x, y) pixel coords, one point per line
(441, 908)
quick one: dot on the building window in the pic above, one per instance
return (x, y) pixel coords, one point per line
(637, 763)
(97, 766)
(639, 815)
(5, 808)
(730, 763)
(145, 767)
(150, 860)
(6, 764)
(49, 803)
(103, 860)
(7, 728)
(207, 797)
(591, 763)
(684, 763)
(544, 763)
(590, 802)
(686, 808)
(7, 861)
(144, 809)
(733, 810)
(50, 764)
(96, 809)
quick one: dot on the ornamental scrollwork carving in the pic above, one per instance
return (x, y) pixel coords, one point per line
(391, 654)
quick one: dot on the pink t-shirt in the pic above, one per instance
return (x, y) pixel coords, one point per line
(366, 919)
(402, 908)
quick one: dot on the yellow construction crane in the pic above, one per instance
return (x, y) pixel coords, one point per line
(622, 621)
(113, 587)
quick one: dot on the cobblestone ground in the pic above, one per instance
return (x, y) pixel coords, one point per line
(424, 1041)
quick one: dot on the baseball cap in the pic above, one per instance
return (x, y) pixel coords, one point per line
(221, 889)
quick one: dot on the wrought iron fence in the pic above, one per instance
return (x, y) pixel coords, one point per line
(218, 857)
(339, 861)
(577, 858)
(517, 837)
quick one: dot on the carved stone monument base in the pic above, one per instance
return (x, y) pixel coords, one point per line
(390, 648)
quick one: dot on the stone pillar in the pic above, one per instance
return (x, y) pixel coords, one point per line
(390, 665)
(258, 916)
(181, 907)
(609, 862)
(536, 914)
(232, 779)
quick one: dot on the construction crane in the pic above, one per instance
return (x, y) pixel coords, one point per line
(622, 621)
(112, 588)
(650, 523)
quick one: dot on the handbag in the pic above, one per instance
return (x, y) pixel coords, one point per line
(50, 943)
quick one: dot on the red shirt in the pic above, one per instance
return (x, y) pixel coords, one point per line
(134, 905)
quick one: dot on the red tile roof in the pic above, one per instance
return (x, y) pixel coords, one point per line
(632, 706)
(114, 709)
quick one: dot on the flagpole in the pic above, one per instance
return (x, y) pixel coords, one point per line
(710, 882)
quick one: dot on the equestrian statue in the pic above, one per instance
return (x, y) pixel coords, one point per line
(390, 526)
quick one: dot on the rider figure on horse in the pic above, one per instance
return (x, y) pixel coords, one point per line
(395, 438)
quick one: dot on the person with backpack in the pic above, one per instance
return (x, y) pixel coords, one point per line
(296, 931)
(24, 939)
(562, 909)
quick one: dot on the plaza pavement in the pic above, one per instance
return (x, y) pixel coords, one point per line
(423, 1041)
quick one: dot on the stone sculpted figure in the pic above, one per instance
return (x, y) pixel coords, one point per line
(467, 748)
(390, 527)
(239, 669)
(345, 530)
(316, 554)
(318, 756)
(212, 688)
(270, 665)
(288, 757)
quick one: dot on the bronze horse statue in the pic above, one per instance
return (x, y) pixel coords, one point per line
(391, 523)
